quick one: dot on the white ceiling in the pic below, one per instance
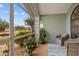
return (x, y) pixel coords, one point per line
(53, 8)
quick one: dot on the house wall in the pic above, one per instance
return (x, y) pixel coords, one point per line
(54, 24)
(68, 21)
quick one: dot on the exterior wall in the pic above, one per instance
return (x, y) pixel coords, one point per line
(54, 24)
(68, 24)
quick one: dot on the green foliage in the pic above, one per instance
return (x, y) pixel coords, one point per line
(22, 33)
(43, 35)
(30, 22)
(19, 27)
(29, 45)
(21, 40)
(3, 25)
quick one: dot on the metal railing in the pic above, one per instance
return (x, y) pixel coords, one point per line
(22, 36)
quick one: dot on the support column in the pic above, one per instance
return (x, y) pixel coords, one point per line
(37, 28)
(11, 40)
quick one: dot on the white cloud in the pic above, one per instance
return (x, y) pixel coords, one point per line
(23, 13)
(1, 5)
(15, 13)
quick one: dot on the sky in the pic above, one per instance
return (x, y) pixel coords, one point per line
(19, 14)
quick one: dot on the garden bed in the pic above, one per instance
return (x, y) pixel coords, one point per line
(18, 51)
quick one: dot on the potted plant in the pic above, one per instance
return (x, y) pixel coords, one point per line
(43, 35)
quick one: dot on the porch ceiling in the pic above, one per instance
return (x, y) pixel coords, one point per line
(53, 8)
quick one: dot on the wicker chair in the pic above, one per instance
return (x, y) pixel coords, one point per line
(62, 38)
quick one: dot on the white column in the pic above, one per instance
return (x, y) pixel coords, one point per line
(36, 28)
(11, 41)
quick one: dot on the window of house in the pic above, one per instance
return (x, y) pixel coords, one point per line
(75, 23)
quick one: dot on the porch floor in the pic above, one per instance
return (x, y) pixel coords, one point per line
(56, 50)
(41, 50)
(50, 50)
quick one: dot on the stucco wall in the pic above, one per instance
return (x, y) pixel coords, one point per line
(54, 24)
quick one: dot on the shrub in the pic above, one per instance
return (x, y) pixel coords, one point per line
(43, 35)
(22, 33)
(21, 40)
(29, 45)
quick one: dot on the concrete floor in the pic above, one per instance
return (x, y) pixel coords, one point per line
(56, 50)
